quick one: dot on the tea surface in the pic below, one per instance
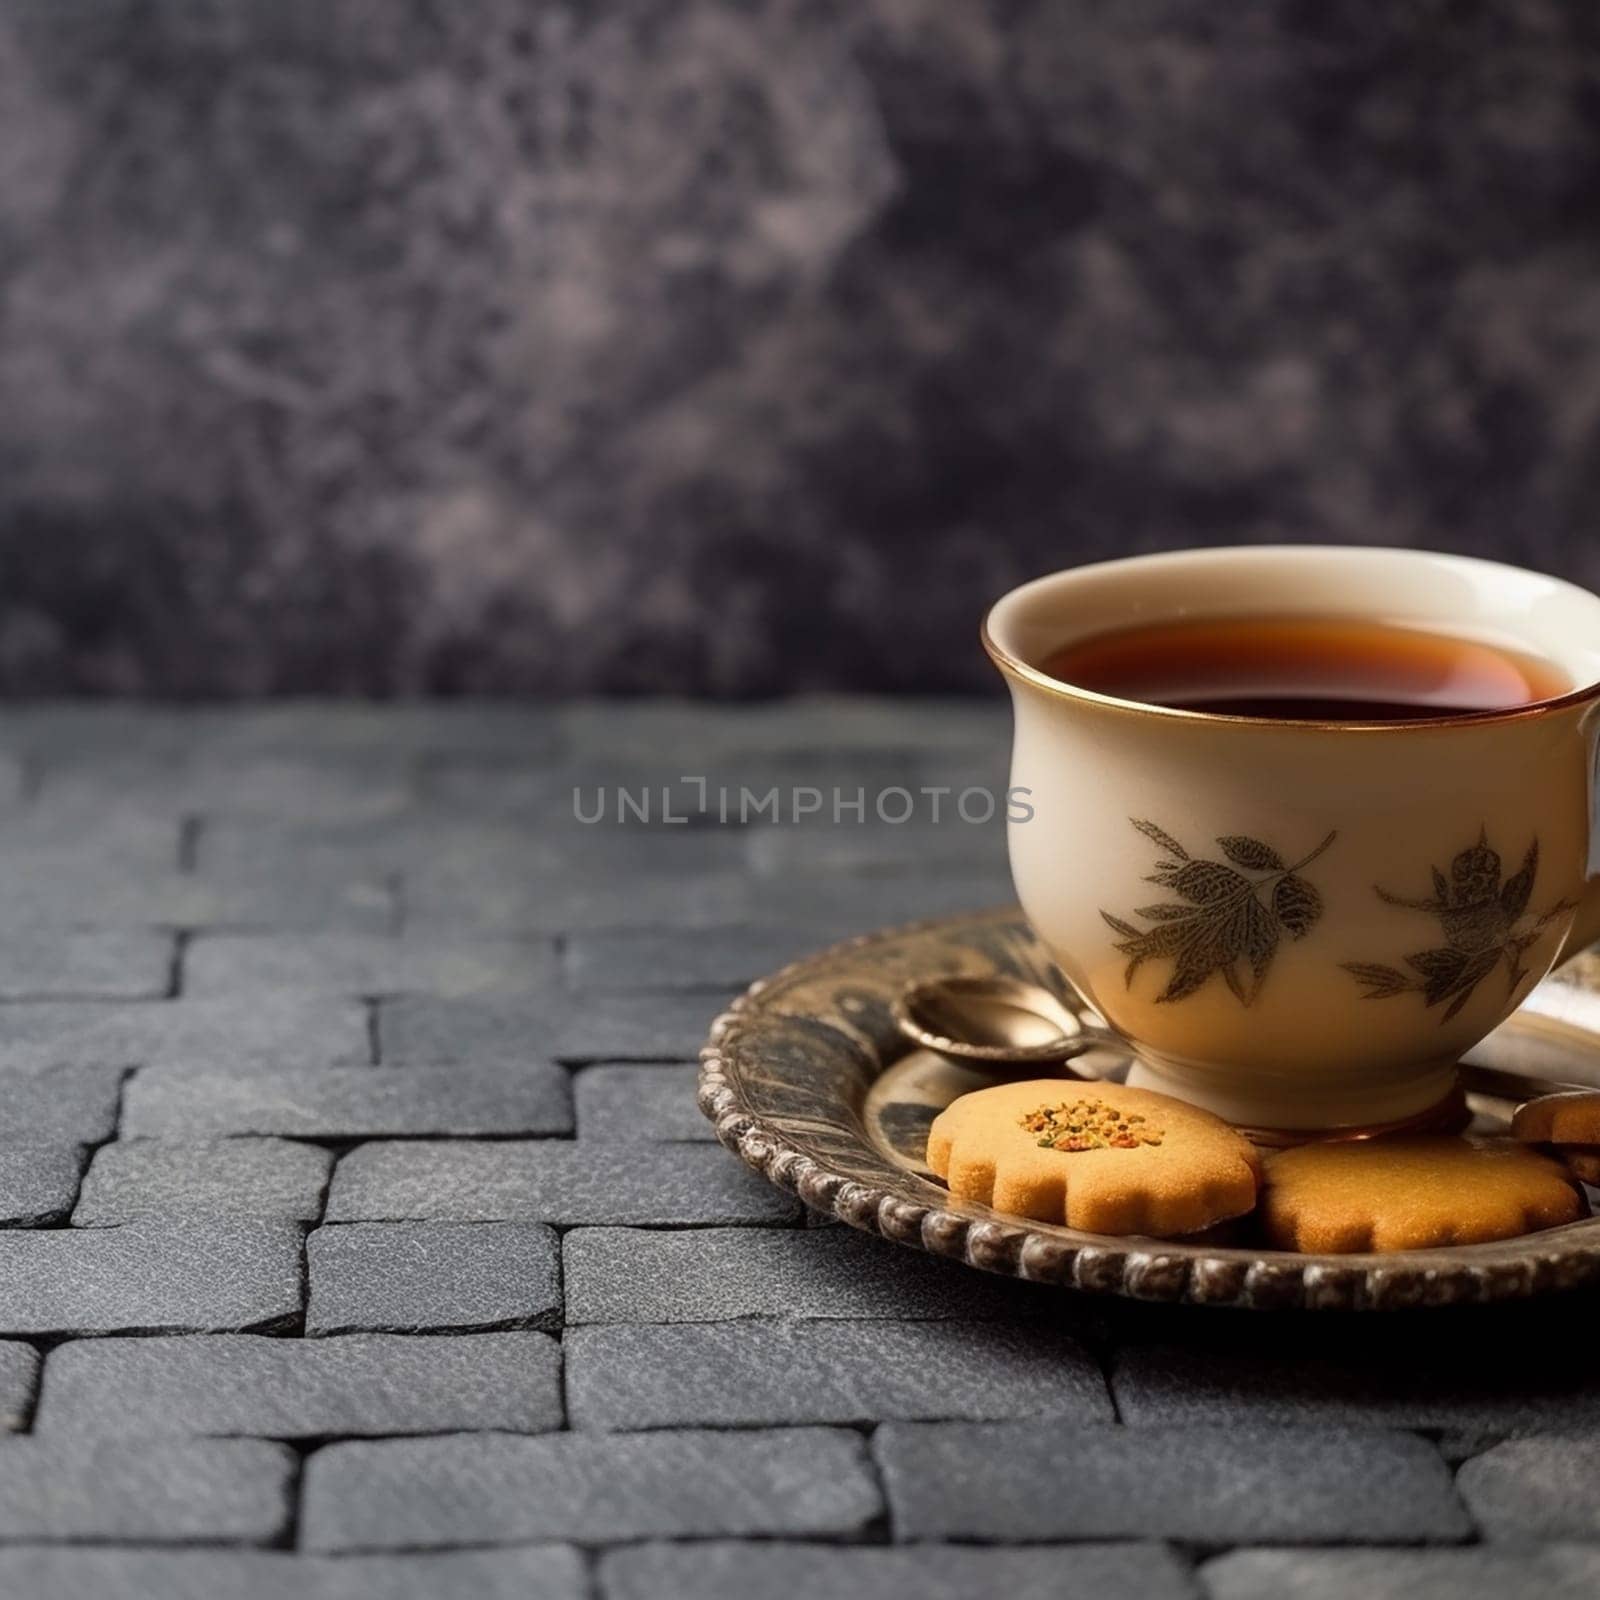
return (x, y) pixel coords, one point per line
(1305, 668)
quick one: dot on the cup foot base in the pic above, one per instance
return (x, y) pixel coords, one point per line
(1278, 1113)
(1449, 1115)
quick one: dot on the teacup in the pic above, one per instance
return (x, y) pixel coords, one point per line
(1367, 924)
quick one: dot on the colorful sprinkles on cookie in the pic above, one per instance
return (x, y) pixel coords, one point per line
(1090, 1125)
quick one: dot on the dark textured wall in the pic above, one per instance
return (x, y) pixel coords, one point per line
(487, 345)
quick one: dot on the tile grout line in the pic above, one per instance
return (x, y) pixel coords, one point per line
(371, 1005)
(180, 949)
(190, 829)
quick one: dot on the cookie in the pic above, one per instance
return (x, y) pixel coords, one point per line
(1570, 1118)
(1412, 1193)
(1570, 1124)
(1097, 1156)
(1582, 1161)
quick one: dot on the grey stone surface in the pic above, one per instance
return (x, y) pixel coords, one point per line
(840, 905)
(276, 876)
(19, 1379)
(635, 728)
(693, 780)
(150, 1276)
(160, 1491)
(1556, 1573)
(917, 845)
(55, 892)
(36, 728)
(78, 964)
(715, 1570)
(640, 1275)
(530, 1572)
(1528, 1490)
(1413, 1384)
(203, 1178)
(245, 1384)
(487, 894)
(359, 730)
(60, 1104)
(38, 1181)
(283, 1030)
(14, 780)
(1040, 1480)
(552, 1180)
(280, 786)
(361, 965)
(592, 1027)
(450, 850)
(1457, 1446)
(498, 1489)
(407, 1277)
(46, 893)
(124, 839)
(650, 1103)
(482, 1028)
(571, 853)
(348, 1102)
(709, 959)
(499, 900)
(631, 1027)
(733, 1374)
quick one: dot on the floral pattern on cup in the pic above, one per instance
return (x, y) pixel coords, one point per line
(1229, 918)
(1484, 922)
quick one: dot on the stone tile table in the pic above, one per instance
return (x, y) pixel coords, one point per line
(359, 1237)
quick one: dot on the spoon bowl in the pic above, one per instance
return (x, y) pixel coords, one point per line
(994, 1022)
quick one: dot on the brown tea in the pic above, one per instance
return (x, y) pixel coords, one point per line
(1305, 668)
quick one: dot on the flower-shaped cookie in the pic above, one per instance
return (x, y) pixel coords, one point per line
(1412, 1193)
(1097, 1156)
(1569, 1124)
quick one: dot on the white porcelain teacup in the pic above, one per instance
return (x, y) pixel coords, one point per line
(1339, 861)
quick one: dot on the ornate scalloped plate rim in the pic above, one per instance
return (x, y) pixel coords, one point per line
(1151, 1270)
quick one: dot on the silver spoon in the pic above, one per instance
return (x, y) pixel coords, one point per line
(995, 1022)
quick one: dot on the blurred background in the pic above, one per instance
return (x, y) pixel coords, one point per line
(739, 347)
